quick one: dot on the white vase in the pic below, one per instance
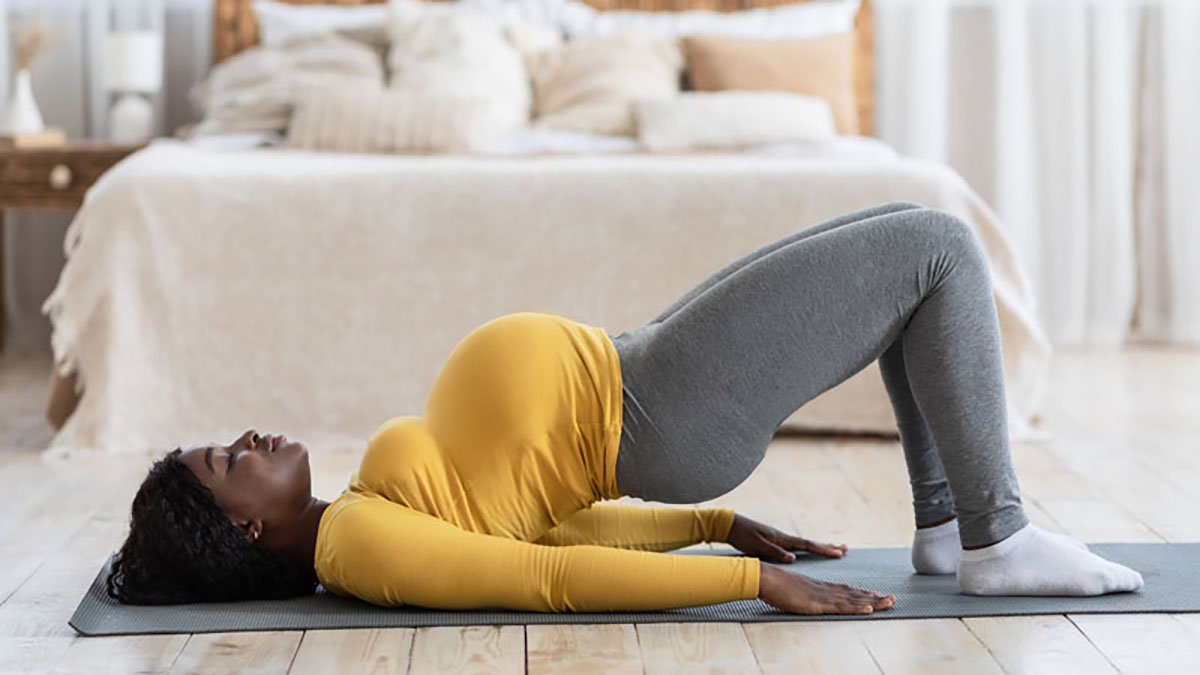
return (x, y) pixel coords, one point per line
(23, 116)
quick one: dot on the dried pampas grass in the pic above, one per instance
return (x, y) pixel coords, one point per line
(33, 39)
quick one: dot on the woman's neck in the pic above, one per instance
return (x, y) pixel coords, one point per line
(302, 548)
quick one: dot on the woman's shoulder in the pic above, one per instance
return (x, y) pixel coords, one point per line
(359, 515)
(355, 524)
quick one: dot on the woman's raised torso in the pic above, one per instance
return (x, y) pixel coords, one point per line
(520, 430)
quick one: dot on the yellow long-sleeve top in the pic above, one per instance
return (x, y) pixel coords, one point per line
(488, 500)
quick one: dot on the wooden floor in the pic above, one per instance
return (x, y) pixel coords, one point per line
(1124, 465)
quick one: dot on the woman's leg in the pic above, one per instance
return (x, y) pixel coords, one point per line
(718, 376)
(933, 501)
(714, 380)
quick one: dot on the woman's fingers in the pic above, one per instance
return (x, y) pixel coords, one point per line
(778, 553)
(850, 608)
(858, 597)
(855, 605)
(882, 603)
(831, 550)
(827, 550)
(873, 604)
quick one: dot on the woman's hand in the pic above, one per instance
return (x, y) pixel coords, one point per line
(799, 594)
(759, 539)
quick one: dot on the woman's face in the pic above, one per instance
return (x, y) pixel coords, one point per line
(261, 481)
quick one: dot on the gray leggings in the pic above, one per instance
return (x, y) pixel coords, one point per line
(709, 381)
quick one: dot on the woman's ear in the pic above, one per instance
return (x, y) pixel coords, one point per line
(253, 529)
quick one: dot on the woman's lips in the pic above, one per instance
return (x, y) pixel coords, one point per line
(276, 441)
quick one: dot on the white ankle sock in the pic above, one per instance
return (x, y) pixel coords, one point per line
(936, 549)
(1035, 562)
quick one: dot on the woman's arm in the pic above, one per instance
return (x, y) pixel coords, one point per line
(390, 555)
(641, 527)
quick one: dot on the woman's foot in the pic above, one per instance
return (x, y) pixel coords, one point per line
(936, 549)
(1035, 562)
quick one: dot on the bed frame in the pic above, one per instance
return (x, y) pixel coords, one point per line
(235, 29)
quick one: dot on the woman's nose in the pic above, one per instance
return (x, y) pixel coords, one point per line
(251, 437)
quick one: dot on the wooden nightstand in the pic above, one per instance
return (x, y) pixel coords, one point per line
(50, 178)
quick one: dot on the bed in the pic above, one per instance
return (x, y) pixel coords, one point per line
(210, 289)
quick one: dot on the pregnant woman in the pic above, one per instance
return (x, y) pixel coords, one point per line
(489, 499)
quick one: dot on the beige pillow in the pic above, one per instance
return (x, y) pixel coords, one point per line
(727, 120)
(590, 84)
(373, 119)
(819, 66)
(256, 89)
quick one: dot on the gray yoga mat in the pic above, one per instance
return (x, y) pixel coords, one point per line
(1171, 573)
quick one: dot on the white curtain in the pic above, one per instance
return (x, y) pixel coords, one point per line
(1075, 119)
(1173, 303)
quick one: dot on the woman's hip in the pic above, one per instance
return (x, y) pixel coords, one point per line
(681, 446)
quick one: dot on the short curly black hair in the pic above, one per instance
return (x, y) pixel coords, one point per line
(183, 548)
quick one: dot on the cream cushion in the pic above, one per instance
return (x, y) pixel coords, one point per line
(820, 66)
(374, 119)
(731, 120)
(460, 54)
(256, 89)
(590, 84)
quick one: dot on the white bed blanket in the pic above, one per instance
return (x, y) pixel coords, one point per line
(209, 291)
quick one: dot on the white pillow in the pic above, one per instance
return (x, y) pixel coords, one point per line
(726, 120)
(531, 37)
(800, 20)
(278, 21)
(461, 54)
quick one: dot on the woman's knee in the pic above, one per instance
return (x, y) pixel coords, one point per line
(948, 231)
(949, 234)
(933, 235)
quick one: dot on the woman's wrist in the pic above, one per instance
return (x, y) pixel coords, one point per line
(722, 524)
(766, 579)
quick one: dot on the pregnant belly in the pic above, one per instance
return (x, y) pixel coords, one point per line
(506, 377)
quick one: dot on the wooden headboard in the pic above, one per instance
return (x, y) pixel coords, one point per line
(235, 29)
